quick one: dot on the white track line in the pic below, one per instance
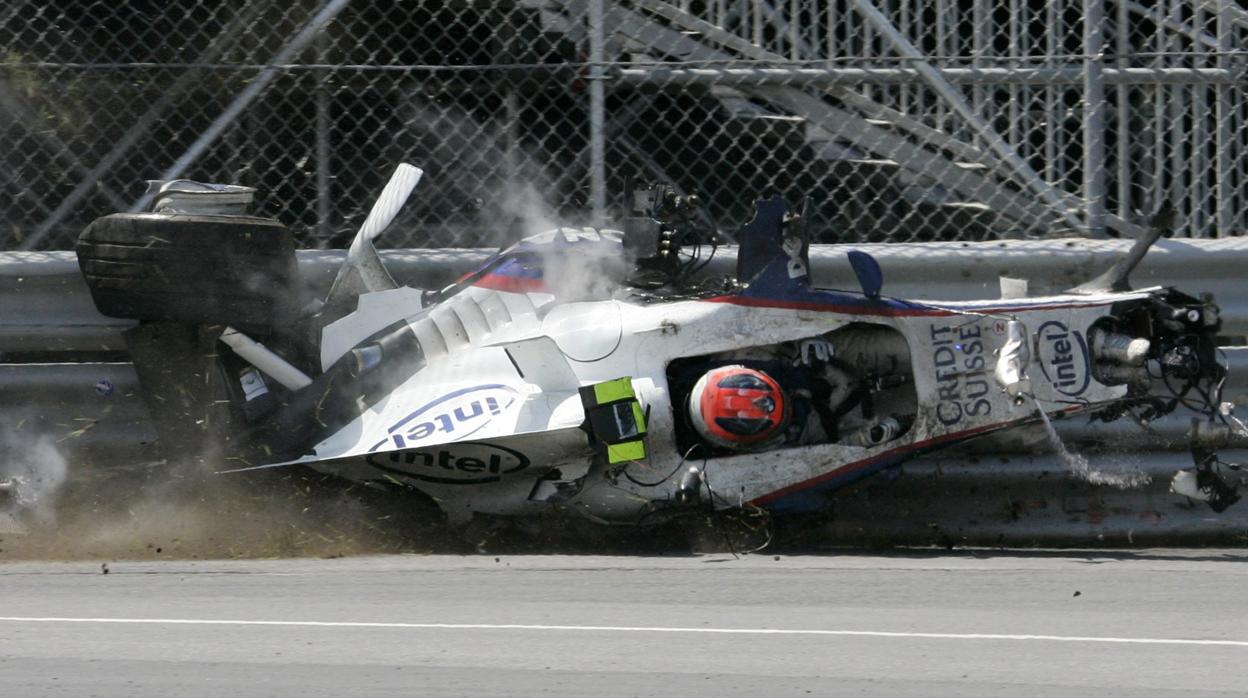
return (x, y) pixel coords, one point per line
(629, 629)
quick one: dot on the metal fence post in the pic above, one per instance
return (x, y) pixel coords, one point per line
(1094, 116)
(1123, 116)
(1224, 111)
(324, 176)
(597, 114)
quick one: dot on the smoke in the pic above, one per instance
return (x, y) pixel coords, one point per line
(33, 471)
(484, 180)
(1081, 468)
(483, 172)
(592, 270)
(520, 202)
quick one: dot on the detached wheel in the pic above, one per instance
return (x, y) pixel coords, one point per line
(237, 270)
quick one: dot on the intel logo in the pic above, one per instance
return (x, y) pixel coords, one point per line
(1064, 358)
(452, 464)
(451, 417)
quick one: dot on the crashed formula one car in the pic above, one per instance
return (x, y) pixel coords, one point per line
(592, 373)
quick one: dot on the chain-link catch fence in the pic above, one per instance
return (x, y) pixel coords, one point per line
(897, 120)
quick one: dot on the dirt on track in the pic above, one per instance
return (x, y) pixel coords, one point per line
(155, 512)
(158, 512)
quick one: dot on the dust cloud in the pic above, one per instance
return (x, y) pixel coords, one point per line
(33, 471)
(179, 511)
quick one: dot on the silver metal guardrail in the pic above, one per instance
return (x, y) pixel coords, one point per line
(1010, 488)
(45, 306)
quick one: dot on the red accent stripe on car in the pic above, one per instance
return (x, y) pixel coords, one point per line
(512, 284)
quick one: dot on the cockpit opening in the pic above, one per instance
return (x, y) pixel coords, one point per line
(852, 386)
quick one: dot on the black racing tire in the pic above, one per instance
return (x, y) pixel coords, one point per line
(198, 269)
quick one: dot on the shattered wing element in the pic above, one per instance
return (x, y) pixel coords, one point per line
(363, 271)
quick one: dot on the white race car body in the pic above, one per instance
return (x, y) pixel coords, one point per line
(557, 377)
(495, 411)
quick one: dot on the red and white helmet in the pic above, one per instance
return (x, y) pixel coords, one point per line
(737, 407)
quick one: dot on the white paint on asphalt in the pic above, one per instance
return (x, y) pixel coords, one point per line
(630, 629)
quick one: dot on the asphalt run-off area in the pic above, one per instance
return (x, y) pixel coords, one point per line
(966, 623)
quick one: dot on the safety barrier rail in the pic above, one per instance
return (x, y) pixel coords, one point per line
(44, 304)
